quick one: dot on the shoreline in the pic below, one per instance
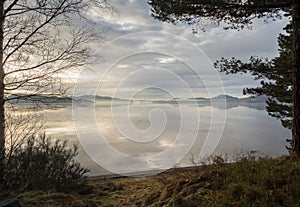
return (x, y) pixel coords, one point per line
(149, 173)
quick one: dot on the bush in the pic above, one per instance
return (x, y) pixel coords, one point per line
(42, 162)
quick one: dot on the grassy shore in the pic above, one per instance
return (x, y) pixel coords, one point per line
(263, 182)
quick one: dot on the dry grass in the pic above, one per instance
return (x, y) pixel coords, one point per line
(264, 182)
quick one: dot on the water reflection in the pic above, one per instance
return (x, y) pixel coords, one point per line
(245, 128)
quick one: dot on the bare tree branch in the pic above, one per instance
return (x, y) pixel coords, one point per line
(9, 8)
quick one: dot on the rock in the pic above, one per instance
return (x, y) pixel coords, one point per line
(10, 203)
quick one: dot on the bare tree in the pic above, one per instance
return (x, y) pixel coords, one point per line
(20, 126)
(34, 160)
(39, 39)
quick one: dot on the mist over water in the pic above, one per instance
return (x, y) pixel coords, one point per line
(245, 129)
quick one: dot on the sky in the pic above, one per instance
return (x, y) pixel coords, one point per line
(143, 57)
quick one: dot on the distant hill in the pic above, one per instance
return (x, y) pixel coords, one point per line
(33, 98)
(46, 99)
(227, 97)
(258, 102)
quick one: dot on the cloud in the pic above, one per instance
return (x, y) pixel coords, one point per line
(134, 17)
(166, 60)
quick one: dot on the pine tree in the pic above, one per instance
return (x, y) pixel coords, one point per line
(275, 75)
(239, 14)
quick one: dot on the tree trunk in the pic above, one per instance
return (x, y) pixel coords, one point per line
(296, 77)
(2, 116)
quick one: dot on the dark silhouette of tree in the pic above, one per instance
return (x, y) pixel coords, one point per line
(39, 39)
(239, 14)
(275, 76)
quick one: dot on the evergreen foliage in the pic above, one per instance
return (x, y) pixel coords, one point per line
(275, 75)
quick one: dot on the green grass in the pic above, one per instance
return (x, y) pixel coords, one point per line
(264, 182)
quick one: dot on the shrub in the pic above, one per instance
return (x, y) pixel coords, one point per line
(42, 162)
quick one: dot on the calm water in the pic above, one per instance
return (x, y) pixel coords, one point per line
(245, 128)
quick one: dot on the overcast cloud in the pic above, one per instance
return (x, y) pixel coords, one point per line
(135, 30)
